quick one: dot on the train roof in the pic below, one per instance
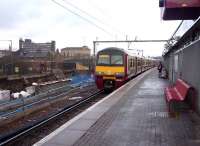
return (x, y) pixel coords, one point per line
(112, 48)
(122, 50)
(130, 53)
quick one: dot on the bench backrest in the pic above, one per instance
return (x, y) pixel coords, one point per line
(182, 87)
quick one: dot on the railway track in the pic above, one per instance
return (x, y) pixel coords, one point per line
(8, 139)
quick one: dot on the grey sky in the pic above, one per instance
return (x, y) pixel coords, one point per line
(43, 20)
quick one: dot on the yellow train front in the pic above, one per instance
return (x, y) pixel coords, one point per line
(110, 70)
(114, 67)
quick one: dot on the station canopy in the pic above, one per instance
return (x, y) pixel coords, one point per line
(179, 9)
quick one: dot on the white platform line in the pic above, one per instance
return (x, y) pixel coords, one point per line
(61, 128)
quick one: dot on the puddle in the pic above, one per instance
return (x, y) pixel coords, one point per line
(75, 98)
(159, 114)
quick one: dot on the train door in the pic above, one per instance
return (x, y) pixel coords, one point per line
(136, 65)
(128, 65)
(132, 66)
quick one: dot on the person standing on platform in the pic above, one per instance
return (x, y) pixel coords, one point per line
(160, 67)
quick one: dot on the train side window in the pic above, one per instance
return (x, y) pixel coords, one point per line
(133, 62)
(129, 63)
(138, 62)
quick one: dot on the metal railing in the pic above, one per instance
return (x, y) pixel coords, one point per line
(12, 108)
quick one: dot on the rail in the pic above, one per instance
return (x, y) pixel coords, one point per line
(11, 137)
(12, 108)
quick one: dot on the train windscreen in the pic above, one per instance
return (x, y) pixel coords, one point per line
(103, 59)
(116, 59)
(107, 59)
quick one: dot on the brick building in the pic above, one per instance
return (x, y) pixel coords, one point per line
(29, 49)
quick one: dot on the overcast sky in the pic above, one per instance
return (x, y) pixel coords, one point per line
(44, 20)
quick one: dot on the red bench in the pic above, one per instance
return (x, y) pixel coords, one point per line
(177, 93)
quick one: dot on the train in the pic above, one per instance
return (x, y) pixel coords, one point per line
(115, 66)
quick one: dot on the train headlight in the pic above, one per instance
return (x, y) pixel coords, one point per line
(119, 74)
(99, 73)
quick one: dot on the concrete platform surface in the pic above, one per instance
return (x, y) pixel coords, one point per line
(134, 115)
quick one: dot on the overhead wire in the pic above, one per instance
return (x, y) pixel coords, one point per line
(99, 9)
(74, 6)
(83, 18)
(91, 16)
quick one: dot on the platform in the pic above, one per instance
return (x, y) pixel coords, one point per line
(134, 115)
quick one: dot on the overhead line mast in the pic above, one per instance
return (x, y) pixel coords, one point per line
(126, 41)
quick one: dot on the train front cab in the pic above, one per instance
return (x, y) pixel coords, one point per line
(109, 77)
(110, 71)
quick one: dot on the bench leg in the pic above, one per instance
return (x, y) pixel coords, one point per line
(193, 95)
(169, 107)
